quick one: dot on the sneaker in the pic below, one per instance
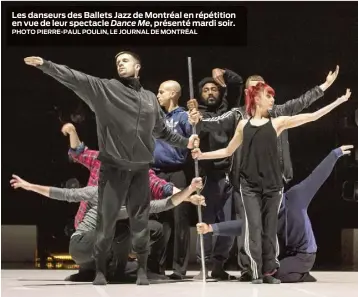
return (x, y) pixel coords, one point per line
(81, 276)
(309, 278)
(269, 279)
(245, 277)
(222, 275)
(257, 281)
(176, 276)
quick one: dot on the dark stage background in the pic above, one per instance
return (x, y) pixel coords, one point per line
(292, 45)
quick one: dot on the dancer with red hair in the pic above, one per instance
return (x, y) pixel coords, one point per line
(261, 184)
(252, 92)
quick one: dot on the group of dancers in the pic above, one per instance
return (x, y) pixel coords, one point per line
(142, 184)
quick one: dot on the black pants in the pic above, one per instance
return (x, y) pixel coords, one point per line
(218, 197)
(296, 267)
(259, 239)
(81, 249)
(185, 216)
(242, 258)
(181, 218)
(115, 188)
(159, 237)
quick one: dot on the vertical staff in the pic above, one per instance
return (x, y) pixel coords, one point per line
(196, 163)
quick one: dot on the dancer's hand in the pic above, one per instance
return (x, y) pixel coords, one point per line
(196, 184)
(194, 116)
(331, 77)
(192, 104)
(346, 149)
(17, 182)
(197, 200)
(345, 97)
(68, 129)
(34, 61)
(194, 141)
(218, 76)
(196, 153)
(203, 228)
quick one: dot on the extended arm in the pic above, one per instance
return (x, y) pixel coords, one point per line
(19, 183)
(88, 194)
(87, 87)
(225, 152)
(185, 195)
(69, 195)
(157, 206)
(283, 123)
(303, 193)
(228, 228)
(295, 106)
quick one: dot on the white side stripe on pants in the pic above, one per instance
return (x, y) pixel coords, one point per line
(277, 244)
(247, 242)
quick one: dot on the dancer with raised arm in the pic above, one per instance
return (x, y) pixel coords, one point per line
(298, 246)
(127, 116)
(261, 183)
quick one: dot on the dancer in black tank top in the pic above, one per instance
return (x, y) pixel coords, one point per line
(260, 165)
(260, 177)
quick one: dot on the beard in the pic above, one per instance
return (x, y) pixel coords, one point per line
(212, 101)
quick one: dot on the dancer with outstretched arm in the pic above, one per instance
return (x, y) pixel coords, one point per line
(298, 246)
(127, 117)
(261, 184)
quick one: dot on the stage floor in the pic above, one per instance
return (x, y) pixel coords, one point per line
(49, 283)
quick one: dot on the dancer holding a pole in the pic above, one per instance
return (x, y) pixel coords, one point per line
(216, 94)
(260, 176)
(196, 144)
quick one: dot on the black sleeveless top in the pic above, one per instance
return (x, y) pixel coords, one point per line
(260, 166)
